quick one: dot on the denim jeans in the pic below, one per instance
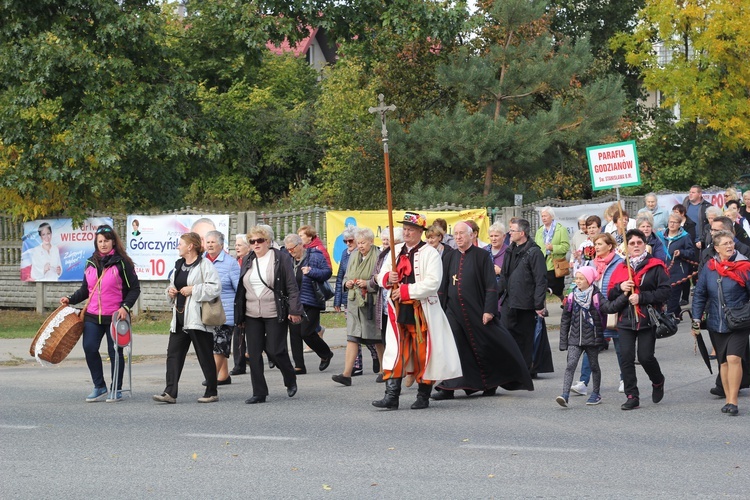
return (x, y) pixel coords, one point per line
(92, 340)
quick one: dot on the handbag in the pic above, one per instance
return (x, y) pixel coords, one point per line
(738, 318)
(664, 324)
(323, 291)
(562, 267)
(212, 311)
(612, 321)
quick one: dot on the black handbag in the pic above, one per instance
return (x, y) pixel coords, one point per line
(738, 318)
(665, 326)
(323, 291)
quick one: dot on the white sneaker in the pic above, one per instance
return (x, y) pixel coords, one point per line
(622, 387)
(579, 388)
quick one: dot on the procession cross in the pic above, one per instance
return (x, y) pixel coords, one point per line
(382, 109)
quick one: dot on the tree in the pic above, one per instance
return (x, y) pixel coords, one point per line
(523, 95)
(94, 111)
(702, 64)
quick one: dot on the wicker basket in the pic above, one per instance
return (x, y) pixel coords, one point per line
(57, 335)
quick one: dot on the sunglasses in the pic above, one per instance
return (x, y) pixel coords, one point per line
(349, 241)
(258, 240)
(103, 230)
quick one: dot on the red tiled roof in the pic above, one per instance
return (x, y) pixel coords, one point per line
(299, 50)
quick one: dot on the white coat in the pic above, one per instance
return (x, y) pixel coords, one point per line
(443, 362)
(204, 289)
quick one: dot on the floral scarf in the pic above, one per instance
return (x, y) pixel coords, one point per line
(583, 299)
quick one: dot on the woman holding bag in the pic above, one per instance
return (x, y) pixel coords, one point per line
(724, 281)
(111, 285)
(552, 238)
(193, 280)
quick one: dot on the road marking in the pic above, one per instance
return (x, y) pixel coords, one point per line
(232, 436)
(20, 427)
(522, 448)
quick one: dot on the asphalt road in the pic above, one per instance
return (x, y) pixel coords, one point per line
(329, 442)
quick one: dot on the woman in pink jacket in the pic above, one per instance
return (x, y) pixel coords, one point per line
(110, 281)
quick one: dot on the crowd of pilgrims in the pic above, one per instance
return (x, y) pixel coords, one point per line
(453, 313)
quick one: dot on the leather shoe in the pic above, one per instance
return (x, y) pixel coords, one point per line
(208, 399)
(164, 398)
(300, 371)
(291, 390)
(255, 399)
(717, 391)
(441, 395)
(490, 392)
(226, 381)
(342, 379)
(237, 371)
(324, 363)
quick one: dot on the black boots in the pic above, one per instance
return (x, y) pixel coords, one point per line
(423, 397)
(392, 392)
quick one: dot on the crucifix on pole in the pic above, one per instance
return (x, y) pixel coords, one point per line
(382, 109)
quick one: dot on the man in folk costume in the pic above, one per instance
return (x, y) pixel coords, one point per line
(419, 340)
(489, 355)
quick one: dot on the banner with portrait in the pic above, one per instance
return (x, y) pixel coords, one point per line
(152, 240)
(377, 220)
(56, 250)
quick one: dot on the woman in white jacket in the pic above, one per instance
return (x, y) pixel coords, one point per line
(193, 280)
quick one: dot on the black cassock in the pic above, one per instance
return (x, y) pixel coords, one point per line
(489, 355)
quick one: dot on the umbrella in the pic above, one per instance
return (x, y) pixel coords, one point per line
(699, 342)
(704, 352)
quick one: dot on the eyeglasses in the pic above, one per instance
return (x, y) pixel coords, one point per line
(725, 244)
(257, 240)
(104, 230)
(289, 249)
(349, 241)
(635, 243)
(514, 231)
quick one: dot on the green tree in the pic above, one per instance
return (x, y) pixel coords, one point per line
(702, 65)
(523, 96)
(94, 112)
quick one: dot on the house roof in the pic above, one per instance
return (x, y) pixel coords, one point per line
(299, 50)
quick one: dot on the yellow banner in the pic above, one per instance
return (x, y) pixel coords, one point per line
(377, 220)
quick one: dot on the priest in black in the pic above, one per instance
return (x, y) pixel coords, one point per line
(490, 358)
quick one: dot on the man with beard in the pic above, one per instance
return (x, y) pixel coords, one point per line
(523, 287)
(489, 355)
(419, 342)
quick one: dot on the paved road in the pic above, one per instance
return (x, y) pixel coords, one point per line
(329, 442)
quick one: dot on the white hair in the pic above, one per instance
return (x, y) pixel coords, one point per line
(364, 233)
(498, 227)
(549, 210)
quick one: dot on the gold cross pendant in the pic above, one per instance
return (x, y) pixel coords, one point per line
(455, 279)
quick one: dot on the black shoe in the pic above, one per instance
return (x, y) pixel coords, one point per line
(255, 399)
(324, 363)
(469, 392)
(717, 391)
(291, 390)
(204, 383)
(683, 302)
(490, 392)
(300, 371)
(725, 408)
(375, 365)
(423, 397)
(237, 371)
(392, 393)
(658, 392)
(226, 381)
(341, 379)
(357, 372)
(271, 364)
(631, 404)
(732, 410)
(442, 394)
(379, 380)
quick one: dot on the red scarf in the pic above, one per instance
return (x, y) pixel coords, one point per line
(736, 270)
(621, 274)
(601, 263)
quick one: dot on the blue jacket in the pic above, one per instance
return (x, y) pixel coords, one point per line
(706, 296)
(229, 274)
(680, 268)
(606, 275)
(339, 295)
(319, 271)
(657, 247)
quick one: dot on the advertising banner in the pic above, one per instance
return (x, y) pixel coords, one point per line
(152, 240)
(377, 220)
(55, 250)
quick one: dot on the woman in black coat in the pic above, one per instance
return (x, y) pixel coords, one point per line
(646, 283)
